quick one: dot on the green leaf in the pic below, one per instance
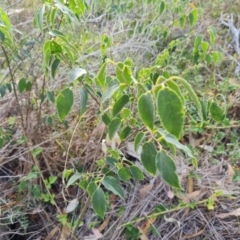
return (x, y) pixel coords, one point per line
(113, 127)
(127, 75)
(205, 46)
(217, 57)
(83, 100)
(136, 172)
(172, 85)
(83, 184)
(109, 93)
(162, 7)
(2, 37)
(119, 72)
(78, 6)
(56, 33)
(106, 119)
(39, 17)
(65, 10)
(216, 112)
(76, 73)
(148, 156)
(198, 41)
(172, 140)
(126, 113)
(124, 175)
(22, 85)
(205, 107)
(138, 140)
(52, 179)
(31, 175)
(193, 97)
(119, 104)
(99, 202)
(146, 109)
(171, 111)
(64, 103)
(55, 47)
(125, 132)
(66, 173)
(112, 162)
(213, 34)
(28, 86)
(2, 91)
(50, 96)
(182, 21)
(112, 185)
(92, 186)
(167, 169)
(54, 67)
(101, 76)
(193, 17)
(73, 178)
(35, 152)
(1, 142)
(47, 55)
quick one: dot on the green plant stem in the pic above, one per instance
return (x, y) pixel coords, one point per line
(95, 99)
(161, 213)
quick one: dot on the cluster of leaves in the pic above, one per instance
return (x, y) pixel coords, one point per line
(148, 108)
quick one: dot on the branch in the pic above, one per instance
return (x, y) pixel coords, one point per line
(234, 30)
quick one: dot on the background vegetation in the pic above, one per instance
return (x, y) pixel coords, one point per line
(119, 119)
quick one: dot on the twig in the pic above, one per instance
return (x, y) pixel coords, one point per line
(234, 30)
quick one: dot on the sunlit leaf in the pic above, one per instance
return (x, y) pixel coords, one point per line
(55, 47)
(77, 73)
(205, 46)
(56, 33)
(101, 76)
